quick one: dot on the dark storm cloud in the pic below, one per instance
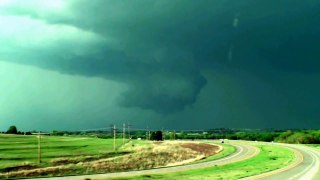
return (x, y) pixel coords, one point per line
(159, 48)
(272, 32)
(161, 86)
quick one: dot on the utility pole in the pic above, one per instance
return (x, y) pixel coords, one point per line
(114, 137)
(147, 134)
(39, 147)
(111, 130)
(123, 133)
(174, 135)
(129, 125)
(162, 132)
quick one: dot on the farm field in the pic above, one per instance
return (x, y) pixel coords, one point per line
(22, 151)
(62, 156)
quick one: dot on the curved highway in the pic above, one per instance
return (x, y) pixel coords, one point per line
(243, 152)
(307, 169)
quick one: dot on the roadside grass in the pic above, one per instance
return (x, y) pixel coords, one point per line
(271, 157)
(19, 150)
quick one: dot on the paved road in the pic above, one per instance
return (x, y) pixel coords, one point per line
(308, 169)
(243, 152)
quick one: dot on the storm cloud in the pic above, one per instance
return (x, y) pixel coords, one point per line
(162, 79)
(254, 60)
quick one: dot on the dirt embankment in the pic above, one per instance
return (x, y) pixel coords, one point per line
(159, 154)
(202, 148)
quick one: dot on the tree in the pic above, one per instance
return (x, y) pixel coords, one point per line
(57, 133)
(12, 130)
(157, 136)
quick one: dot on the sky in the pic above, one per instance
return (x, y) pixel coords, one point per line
(172, 64)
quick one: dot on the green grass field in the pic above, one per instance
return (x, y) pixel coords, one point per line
(269, 158)
(17, 150)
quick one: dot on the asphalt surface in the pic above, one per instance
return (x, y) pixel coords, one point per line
(309, 169)
(243, 152)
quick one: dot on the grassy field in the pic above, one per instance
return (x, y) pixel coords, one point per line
(269, 158)
(65, 155)
(22, 150)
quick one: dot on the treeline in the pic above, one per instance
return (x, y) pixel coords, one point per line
(288, 136)
(285, 136)
(14, 130)
(300, 137)
(267, 135)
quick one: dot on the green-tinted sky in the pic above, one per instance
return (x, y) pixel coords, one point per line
(175, 64)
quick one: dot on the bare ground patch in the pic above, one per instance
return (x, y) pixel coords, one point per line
(205, 149)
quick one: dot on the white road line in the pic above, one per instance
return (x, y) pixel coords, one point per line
(312, 169)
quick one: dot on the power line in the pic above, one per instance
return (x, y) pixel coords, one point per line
(130, 130)
(97, 129)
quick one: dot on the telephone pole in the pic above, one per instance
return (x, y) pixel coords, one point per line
(114, 137)
(111, 130)
(163, 136)
(123, 133)
(39, 147)
(148, 134)
(129, 125)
